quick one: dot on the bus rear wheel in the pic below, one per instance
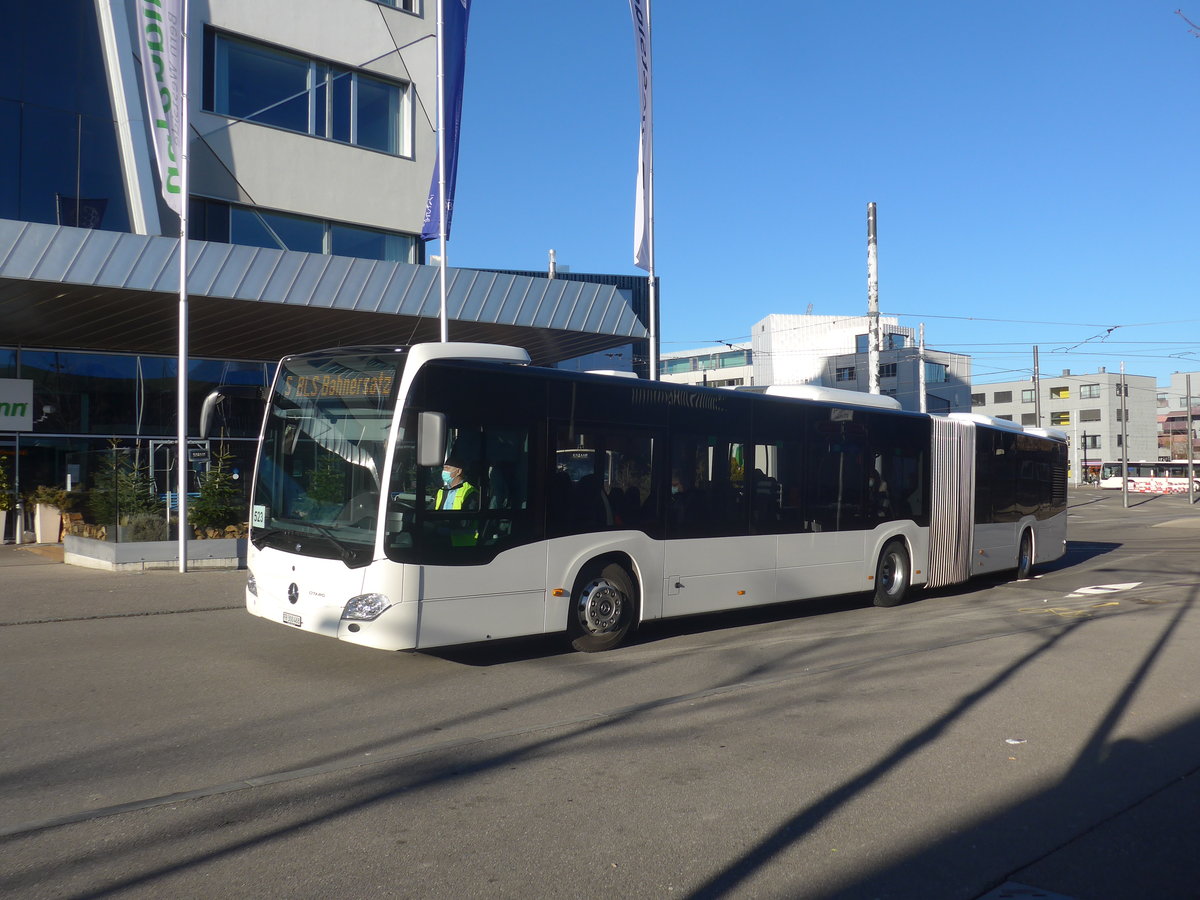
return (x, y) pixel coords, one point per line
(893, 575)
(602, 609)
(1025, 557)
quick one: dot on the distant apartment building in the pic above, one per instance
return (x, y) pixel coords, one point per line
(1089, 408)
(1182, 390)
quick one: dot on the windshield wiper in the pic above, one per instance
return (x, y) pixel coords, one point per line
(347, 554)
(261, 535)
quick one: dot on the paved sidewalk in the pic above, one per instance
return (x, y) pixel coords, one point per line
(36, 586)
(30, 554)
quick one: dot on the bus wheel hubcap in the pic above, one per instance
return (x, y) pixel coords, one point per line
(893, 574)
(600, 606)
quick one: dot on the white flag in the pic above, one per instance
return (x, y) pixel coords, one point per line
(160, 38)
(643, 205)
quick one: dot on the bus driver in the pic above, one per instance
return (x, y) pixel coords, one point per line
(456, 492)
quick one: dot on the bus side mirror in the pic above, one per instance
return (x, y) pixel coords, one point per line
(431, 439)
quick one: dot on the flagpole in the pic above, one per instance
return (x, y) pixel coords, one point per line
(643, 229)
(444, 325)
(650, 212)
(182, 374)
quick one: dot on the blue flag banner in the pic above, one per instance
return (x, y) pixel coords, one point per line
(453, 42)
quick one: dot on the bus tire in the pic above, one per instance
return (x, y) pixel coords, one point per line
(1025, 556)
(602, 609)
(893, 574)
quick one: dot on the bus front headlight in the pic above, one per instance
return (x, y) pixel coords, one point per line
(365, 607)
(252, 584)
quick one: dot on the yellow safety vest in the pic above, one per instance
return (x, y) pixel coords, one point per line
(461, 493)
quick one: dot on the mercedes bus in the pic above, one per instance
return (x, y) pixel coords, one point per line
(587, 504)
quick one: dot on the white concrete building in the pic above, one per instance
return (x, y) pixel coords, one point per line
(832, 351)
(793, 349)
(726, 366)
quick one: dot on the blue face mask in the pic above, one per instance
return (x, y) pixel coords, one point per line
(446, 478)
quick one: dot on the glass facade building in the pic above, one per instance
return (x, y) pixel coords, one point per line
(300, 110)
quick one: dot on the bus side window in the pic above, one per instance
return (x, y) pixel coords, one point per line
(601, 480)
(708, 487)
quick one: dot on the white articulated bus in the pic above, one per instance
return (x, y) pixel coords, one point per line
(587, 504)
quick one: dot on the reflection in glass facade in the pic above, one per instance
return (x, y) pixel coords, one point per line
(229, 223)
(83, 402)
(59, 154)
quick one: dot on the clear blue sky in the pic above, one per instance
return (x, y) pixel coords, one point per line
(1035, 165)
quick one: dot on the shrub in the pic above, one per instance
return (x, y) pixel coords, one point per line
(6, 491)
(146, 527)
(52, 496)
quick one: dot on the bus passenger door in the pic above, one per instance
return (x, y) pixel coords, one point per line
(712, 562)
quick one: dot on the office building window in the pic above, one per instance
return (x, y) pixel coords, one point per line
(978, 399)
(1028, 418)
(1005, 418)
(227, 223)
(1002, 397)
(406, 5)
(935, 373)
(266, 85)
(1089, 415)
(844, 373)
(1027, 396)
(1060, 393)
(888, 370)
(890, 341)
(1091, 442)
(1060, 418)
(1089, 391)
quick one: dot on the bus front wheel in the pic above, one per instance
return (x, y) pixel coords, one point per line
(893, 575)
(1025, 557)
(602, 609)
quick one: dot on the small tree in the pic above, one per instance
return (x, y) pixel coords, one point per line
(123, 487)
(219, 503)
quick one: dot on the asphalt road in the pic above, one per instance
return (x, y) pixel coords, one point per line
(1039, 738)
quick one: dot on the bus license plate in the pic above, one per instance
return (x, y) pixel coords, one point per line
(292, 619)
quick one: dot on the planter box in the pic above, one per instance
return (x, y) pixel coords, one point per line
(47, 523)
(222, 553)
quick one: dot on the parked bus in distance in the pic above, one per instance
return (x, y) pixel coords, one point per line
(449, 493)
(1145, 477)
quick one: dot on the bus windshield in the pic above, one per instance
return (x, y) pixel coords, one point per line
(322, 457)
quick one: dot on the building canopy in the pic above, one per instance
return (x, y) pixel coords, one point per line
(77, 288)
